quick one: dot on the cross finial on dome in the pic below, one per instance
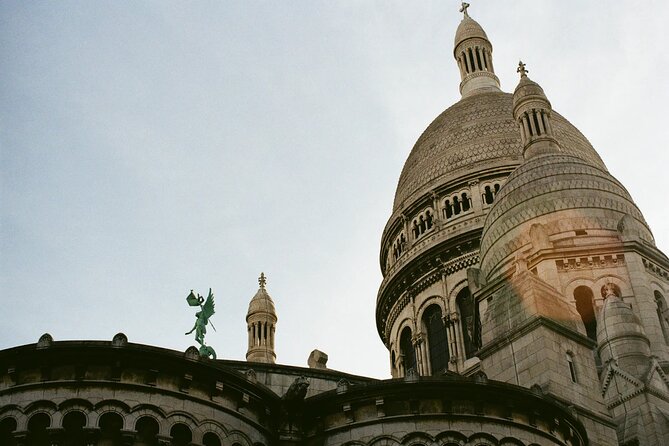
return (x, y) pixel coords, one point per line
(521, 69)
(262, 280)
(463, 9)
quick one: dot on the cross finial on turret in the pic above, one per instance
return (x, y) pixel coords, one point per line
(463, 10)
(521, 69)
(262, 280)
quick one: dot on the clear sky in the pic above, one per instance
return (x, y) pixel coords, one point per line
(152, 147)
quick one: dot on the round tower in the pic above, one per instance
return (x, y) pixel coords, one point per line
(261, 324)
(473, 52)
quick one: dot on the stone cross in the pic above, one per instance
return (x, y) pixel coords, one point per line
(463, 10)
(521, 69)
(262, 280)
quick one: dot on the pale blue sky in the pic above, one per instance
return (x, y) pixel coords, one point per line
(148, 148)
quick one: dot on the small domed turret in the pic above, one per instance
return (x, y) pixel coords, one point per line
(532, 110)
(620, 334)
(261, 324)
(473, 52)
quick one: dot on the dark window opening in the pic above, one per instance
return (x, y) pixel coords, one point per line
(471, 59)
(147, 430)
(581, 232)
(448, 210)
(437, 339)
(585, 305)
(73, 423)
(485, 59)
(7, 427)
(211, 439)
(407, 350)
(181, 435)
(428, 219)
(110, 428)
(456, 205)
(465, 303)
(466, 202)
(423, 225)
(529, 124)
(37, 425)
(488, 196)
(572, 368)
(536, 121)
(478, 59)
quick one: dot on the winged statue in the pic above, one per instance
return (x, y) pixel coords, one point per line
(202, 319)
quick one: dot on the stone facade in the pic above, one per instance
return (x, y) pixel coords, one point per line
(522, 303)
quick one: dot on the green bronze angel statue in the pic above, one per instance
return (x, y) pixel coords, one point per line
(200, 327)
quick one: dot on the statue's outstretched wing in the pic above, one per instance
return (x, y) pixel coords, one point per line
(208, 307)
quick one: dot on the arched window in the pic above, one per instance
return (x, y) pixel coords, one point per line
(181, 435)
(37, 425)
(662, 315)
(428, 219)
(73, 423)
(211, 439)
(437, 339)
(466, 202)
(407, 350)
(147, 430)
(488, 197)
(423, 225)
(415, 230)
(110, 424)
(496, 188)
(7, 427)
(448, 209)
(465, 304)
(585, 305)
(456, 205)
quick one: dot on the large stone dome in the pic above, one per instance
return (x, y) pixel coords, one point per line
(565, 194)
(475, 134)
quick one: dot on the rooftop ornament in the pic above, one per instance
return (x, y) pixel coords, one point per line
(463, 9)
(201, 321)
(521, 69)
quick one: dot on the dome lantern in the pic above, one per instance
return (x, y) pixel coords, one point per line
(261, 325)
(473, 52)
(532, 111)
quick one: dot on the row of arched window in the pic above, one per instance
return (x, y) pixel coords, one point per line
(110, 424)
(457, 204)
(436, 337)
(398, 246)
(454, 205)
(474, 59)
(422, 224)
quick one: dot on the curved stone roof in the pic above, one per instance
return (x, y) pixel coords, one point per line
(467, 29)
(540, 189)
(477, 131)
(261, 303)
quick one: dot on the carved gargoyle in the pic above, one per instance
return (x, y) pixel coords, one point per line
(293, 401)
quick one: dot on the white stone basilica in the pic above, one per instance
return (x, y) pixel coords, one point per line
(523, 302)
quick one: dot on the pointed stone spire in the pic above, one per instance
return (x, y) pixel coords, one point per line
(532, 110)
(261, 325)
(473, 52)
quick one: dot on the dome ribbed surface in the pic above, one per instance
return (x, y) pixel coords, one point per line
(467, 29)
(544, 186)
(476, 132)
(261, 303)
